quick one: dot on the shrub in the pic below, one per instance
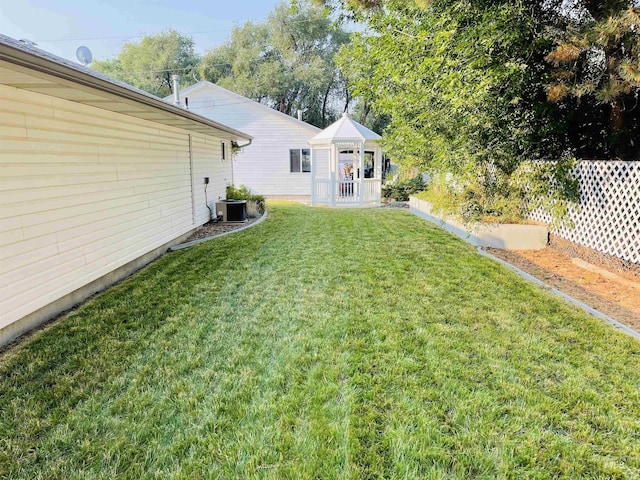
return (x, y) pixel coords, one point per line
(401, 190)
(494, 197)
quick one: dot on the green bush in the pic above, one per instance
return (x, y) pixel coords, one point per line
(401, 190)
(494, 197)
(255, 203)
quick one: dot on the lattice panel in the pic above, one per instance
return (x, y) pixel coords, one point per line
(608, 217)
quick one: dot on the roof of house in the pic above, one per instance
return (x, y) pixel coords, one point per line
(345, 129)
(26, 67)
(241, 99)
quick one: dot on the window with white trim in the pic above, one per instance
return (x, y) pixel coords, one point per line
(299, 160)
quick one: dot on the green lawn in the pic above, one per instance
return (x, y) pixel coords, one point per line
(323, 344)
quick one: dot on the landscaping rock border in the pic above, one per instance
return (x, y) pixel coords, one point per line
(555, 291)
(182, 246)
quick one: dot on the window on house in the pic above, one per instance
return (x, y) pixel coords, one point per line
(224, 151)
(300, 160)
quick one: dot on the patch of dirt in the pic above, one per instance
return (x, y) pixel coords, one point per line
(212, 229)
(608, 262)
(554, 267)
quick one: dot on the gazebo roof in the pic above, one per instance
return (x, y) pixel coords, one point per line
(345, 129)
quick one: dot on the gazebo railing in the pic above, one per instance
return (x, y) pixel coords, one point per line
(371, 190)
(346, 192)
(322, 191)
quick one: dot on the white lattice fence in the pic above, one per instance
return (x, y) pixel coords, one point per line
(608, 217)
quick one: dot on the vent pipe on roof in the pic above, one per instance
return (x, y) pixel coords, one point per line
(175, 80)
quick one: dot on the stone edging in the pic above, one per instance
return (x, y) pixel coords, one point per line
(182, 246)
(578, 303)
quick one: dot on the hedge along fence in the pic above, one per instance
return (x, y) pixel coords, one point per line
(607, 218)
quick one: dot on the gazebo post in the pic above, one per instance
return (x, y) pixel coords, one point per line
(313, 178)
(332, 165)
(378, 173)
(361, 174)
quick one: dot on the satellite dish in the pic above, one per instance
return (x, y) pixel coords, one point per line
(28, 43)
(84, 55)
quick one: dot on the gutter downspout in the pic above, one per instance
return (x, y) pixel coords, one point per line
(193, 183)
(233, 180)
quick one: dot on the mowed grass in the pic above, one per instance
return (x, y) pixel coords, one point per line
(323, 344)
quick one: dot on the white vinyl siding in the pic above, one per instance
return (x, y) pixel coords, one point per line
(208, 162)
(264, 166)
(84, 191)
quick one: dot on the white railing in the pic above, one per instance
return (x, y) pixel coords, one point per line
(607, 218)
(346, 192)
(371, 190)
(322, 191)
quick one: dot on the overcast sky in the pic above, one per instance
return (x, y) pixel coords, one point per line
(61, 26)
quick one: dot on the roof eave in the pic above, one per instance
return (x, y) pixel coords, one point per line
(337, 140)
(25, 59)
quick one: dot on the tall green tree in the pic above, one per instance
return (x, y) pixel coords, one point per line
(597, 59)
(590, 71)
(463, 83)
(150, 63)
(286, 62)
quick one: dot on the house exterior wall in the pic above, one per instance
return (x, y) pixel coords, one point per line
(208, 162)
(263, 167)
(84, 191)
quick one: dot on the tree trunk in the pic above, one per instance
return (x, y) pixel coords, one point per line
(289, 101)
(347, 99)
(366, 108)
(324, 106)
(616, 124)
(616, 117)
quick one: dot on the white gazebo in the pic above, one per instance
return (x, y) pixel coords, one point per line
(346, 165)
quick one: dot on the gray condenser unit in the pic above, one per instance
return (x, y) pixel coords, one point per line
(232, 210)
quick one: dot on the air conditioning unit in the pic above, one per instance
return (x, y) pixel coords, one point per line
(232, 210)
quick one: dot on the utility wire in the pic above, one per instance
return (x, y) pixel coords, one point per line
(124, 37)
(175, 69)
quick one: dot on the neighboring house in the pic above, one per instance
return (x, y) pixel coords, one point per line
(278, 161)
(97, 179)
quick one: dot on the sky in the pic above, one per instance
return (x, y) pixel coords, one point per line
(61, 26)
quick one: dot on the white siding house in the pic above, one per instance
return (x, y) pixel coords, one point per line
(277, 161)
(97, 179)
